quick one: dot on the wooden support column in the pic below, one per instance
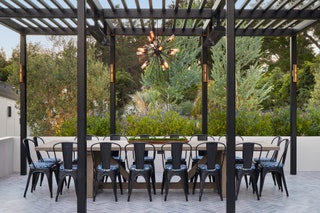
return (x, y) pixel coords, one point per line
(231, 120)
(204, 59)
(23, 102)
(293, 105)
(82, 107)
(112, 85)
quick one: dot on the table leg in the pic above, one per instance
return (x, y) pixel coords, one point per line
(89, 175)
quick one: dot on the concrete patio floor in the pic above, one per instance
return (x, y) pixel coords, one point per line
(304, 191)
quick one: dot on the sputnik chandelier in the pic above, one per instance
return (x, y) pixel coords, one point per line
(156, 49)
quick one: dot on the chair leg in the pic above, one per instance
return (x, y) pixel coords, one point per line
(186, 184)
(120, 183)
(27, 185)
(114, 186)
(262, 177)
(166, 185)
(218, 182)
(195, 177)
(130, 186)
(49, 177)
(59, 189)
(147, 178)
(284, 182)
(202, 180)
(153, 177)
(164, 177)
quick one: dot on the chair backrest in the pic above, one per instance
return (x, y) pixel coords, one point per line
(276, 140)
(105, 150)
(68, 152)
(248, 149)
(29, 144)
(211, 149)
(284, 144)
(138, 153)
(178, 151)
(202, 137)
(36, 143)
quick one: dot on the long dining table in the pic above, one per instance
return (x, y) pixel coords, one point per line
(48, 146)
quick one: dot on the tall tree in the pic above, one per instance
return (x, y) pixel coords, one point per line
(250, 92)
(52, 86)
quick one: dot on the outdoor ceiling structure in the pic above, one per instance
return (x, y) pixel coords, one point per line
(138, 17)
(210, 20)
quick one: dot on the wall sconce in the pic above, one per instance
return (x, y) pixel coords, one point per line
(21, 74)
(9, 111)
(204, 73)
(111, 73)
(294, 73)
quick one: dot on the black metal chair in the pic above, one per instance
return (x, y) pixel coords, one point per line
(175, 167)
(67, 168)
(173, 137)
(47, 158)
(102, 155)
(248, 166)
(200, 153)
(115, 154)
(212, 167)
(270, 155)
(275, 167)
(147, 159)
(137, 167)
(37, 167)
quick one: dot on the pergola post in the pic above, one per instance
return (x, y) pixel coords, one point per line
(82, 108)
(112, 85)
(293, 104)
(204, 59)
(23, 102)
(231, 121)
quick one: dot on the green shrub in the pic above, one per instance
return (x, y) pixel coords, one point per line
(99, 126)
(157, 122)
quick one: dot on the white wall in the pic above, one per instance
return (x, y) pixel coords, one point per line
(10, 126)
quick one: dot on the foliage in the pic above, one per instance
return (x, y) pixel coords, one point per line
(157, 122)
(250, 93)
(314, 100)
(178, 83)
(99, 126)
(52, 86)
(4, 72)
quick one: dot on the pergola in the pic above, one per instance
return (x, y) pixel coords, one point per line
(210, 20)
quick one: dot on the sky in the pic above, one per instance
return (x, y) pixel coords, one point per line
(10, 40)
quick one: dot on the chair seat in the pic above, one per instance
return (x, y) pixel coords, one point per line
(112, 168)
(205, 167)
(263, 159)
(199, 157)
(53, 160)
(271, 164)
(240, 167)
(74, 167)
(41, 165)
(146, 167)
(148, 158)
(170, 167)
